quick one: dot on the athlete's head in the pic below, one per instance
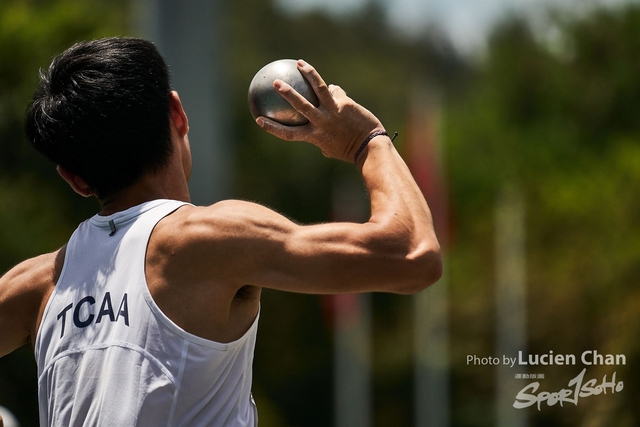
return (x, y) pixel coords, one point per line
(101, 111)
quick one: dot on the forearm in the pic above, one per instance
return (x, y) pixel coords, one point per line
(399, 210)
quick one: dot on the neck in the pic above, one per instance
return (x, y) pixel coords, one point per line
(149, 187)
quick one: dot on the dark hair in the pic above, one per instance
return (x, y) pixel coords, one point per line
(101, 111)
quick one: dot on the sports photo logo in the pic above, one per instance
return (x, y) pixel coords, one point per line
(577, 388)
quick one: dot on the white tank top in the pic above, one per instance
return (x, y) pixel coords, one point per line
(106, 354)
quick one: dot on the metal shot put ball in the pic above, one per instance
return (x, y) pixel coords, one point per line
(265, 101)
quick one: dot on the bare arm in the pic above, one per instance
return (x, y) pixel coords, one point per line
(395, 251)
(23, 294)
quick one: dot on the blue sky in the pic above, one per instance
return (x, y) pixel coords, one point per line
(466, 22)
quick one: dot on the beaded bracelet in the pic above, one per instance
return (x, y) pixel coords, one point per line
(366, 141)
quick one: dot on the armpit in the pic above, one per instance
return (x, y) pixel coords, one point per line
(247, 292)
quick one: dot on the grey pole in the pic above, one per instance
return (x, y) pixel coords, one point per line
(352, 358)
(431, 306)
(352, 337)
(188, 35)
(511, 328)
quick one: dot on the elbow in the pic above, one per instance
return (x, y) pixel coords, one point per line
(423, 267)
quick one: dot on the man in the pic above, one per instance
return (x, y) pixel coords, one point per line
(148, 315)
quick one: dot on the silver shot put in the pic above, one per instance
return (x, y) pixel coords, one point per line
(265, 101)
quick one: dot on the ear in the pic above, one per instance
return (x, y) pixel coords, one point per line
(78, 184)
(177, 114)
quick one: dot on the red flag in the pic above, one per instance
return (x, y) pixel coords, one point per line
(424, 156)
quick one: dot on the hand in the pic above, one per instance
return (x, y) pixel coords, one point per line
(338, 125)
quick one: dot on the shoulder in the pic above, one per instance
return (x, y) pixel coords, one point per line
(224, 221)
(225, 239)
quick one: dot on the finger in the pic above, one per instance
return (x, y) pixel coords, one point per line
(294, 98)
(317, 83)
(288, 133)
(337, 91)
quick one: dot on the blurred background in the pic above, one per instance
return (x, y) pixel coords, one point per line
(519, 119)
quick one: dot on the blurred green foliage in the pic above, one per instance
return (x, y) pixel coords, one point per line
(559, 119)
(555, 117)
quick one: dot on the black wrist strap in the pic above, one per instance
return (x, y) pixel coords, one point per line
(369, 138)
